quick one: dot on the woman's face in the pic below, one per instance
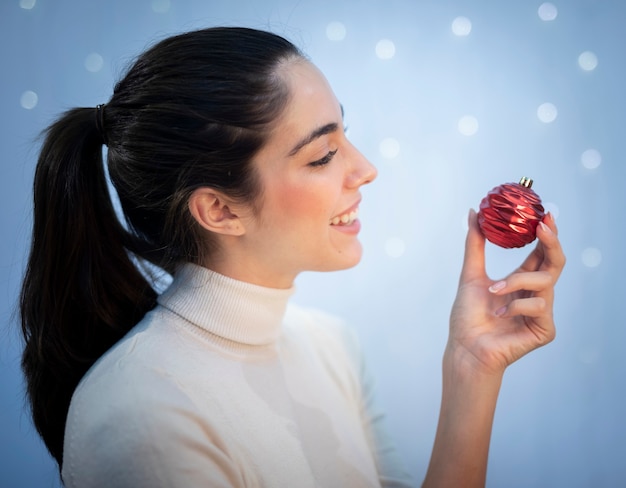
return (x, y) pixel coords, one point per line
(310, 176)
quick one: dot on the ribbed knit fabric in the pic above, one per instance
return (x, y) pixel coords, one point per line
(224, 384)
(233, 310)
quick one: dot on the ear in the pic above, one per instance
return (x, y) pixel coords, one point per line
(212, 211)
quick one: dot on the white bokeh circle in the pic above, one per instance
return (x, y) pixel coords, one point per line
(547, 113)
(591, 257)
(461, 26)
(547, 12)
(553, 208)
(468, 125)
(385, 49)
(395, 247)
(29, 100)
(591, 158)
(336, 31)
(94, 62)
(389, 148)
(161, 6)
(27, 4)
(588, 61)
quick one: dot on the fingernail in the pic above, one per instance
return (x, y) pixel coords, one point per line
(500, 311)
(497, 286)
(545, 228)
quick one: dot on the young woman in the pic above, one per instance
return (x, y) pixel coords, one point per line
(227, 152)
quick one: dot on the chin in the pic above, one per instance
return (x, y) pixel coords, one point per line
(349, 261)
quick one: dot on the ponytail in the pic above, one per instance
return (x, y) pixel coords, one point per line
(81, 291)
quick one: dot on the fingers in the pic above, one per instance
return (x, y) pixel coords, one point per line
(537, 314)
(531, 296)
(550, 222)
(530, 281)
(548, 254)
(553, 257)
(534, 307)
(474, 260)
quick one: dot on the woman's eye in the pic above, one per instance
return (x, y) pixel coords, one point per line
(325, 160)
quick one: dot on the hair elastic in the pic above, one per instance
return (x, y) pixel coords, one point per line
(100, 123)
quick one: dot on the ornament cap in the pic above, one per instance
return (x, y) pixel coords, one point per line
(526, 182)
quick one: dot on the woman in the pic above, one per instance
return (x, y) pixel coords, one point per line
(227, 152)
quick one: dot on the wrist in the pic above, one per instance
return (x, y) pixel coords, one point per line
(462, 364)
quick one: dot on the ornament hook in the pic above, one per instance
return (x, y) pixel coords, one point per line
(526, 182)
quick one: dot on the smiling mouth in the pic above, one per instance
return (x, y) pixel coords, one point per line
(345, 219)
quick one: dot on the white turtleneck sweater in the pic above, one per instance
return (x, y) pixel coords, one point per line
(224, 384)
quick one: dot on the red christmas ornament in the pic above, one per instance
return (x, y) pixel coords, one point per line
(510, 213)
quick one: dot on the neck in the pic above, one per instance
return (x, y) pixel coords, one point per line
(239, 268)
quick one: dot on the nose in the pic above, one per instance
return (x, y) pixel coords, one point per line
(361, 170)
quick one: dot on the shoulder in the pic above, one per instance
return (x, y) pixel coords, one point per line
(116, 392)
(131, 420)
(129, 387)
(131, 360)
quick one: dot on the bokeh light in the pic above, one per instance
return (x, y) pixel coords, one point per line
(336, 31)
(94, 62)
(395, 247)
(591, 158)
(29, 100)
(461, 26)
(588, 61)
(389, 148)
(468, 125)
(547, 12)
(547, 113)
(161, 6)
(385, 49)
(591, 257)
(28, 4)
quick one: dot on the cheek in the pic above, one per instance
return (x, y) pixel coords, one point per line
(306, 203)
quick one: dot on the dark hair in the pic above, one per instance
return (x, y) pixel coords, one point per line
(191, 112)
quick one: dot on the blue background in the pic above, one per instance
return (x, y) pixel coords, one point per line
(448, 105)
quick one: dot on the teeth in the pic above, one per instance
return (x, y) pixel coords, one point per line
(345, 219)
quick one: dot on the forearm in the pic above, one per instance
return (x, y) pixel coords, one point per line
(461, 446)
(492, 325)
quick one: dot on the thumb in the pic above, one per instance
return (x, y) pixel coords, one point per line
(474, 260)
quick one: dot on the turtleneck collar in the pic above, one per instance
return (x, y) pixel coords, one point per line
(231, 309)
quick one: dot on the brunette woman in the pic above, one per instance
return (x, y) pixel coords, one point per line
(226, 149)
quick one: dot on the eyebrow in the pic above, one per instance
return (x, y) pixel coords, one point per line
(319, 132)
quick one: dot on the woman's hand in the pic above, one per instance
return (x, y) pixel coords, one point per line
(494, 323)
